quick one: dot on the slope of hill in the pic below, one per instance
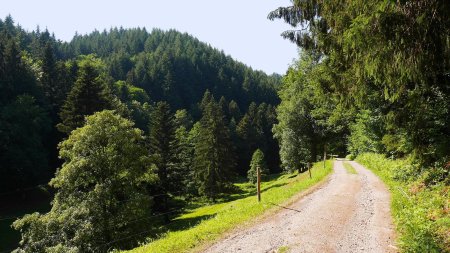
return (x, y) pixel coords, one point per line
(173, 66)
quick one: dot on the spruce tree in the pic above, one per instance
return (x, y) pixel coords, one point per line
(224, 106)
(234, 111)
(164, 148)
(88, 95)
(49, 76)
(214, 153)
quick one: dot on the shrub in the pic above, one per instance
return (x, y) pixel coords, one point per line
(257, 161)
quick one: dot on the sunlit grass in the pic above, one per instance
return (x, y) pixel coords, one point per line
(217, 219)
(349, 168)
(283, 249)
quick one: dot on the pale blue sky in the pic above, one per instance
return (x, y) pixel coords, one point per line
(239, 27)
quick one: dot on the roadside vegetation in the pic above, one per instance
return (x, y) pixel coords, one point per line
(420, 202)
(215, 220)
(373, 78)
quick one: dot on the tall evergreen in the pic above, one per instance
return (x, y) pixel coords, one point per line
(88, 95)
(164, 148)
(234, 111)
(49, 76)
(214, 153)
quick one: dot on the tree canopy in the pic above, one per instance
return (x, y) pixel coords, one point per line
(99, 188)
(390, 57)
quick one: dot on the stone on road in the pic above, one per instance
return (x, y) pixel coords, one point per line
(350, 213)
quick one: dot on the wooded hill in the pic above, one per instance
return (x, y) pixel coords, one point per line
(137, 69)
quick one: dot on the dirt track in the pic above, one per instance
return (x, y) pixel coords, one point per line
(350, 213)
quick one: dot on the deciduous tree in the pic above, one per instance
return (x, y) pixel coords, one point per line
(99, 190)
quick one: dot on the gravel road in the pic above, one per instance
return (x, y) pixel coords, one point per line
(349, 213)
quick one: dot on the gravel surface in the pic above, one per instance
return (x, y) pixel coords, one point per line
(350, 213)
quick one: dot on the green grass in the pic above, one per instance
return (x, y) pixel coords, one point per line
(212, 221)
(283, 249)
(349, 168)
(421, 212)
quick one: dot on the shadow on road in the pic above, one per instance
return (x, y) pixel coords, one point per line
(288, 208)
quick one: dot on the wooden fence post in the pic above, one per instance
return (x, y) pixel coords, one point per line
(309, 169)
(258, 174)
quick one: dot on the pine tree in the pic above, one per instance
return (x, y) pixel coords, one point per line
(88, 95)
(257, 161)
(164, 148)
(214, 153)
(223, 104)
(185, 154)
(49, 76)
(234, 111)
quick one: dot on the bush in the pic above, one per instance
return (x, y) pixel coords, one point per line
(350, 157)
(257, 161)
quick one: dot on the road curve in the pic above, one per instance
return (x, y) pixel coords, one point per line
(350, 213)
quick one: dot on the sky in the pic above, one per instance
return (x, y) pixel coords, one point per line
(238, 27)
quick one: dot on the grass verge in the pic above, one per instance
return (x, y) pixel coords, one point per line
(349, 168)
(421, 212)
(224, 217)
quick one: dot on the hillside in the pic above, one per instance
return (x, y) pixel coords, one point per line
(174, 104)
(136, 65)
(173, 66)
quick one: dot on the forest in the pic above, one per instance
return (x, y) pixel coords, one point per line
(169, 116)
(123, 124)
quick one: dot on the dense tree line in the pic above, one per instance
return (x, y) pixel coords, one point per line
(127, 70)
(373, 72)
(172, 66)
(122, 122)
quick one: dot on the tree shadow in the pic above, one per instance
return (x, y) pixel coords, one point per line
(273, 186)
(186, 223)
(158, 229)
(284, 207)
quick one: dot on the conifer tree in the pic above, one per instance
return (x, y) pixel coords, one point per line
(234, 111)
(49, 76)
(214, 152)
(257, 161)
(88, 95)
(223, 104)
(164, 148)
